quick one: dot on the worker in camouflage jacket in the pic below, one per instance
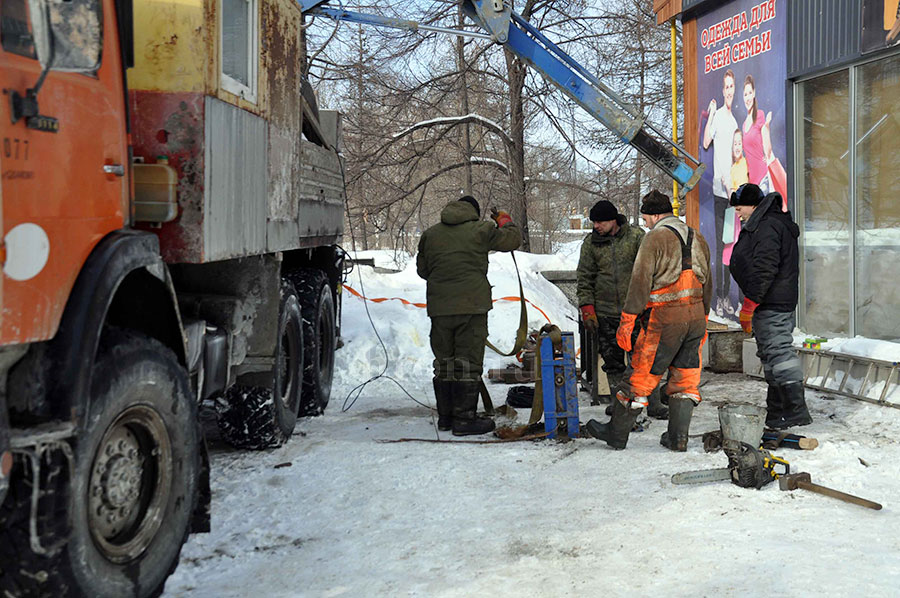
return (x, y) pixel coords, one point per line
(604, 273)
(453, 260)
(663, 325)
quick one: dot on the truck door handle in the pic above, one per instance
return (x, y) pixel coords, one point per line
(116, 169)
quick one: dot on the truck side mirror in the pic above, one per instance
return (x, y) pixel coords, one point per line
(74, 36)
(40, 30)
(67, 36)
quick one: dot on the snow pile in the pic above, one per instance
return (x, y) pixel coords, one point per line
(861, 347)
(404, 327)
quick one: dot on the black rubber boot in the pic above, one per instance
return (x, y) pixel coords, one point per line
(655, 408)
(793, 401)
(676, 437)
(774, 408)
(465, 404)
(444, 400)
(615, 432)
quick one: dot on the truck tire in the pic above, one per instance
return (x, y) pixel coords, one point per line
(135, 486)
(319, 338)
(259, 417)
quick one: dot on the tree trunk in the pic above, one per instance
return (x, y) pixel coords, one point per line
(464, 100)
(518, 208)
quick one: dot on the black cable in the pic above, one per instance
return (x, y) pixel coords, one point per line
(358, 389)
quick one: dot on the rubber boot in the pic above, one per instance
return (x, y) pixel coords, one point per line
(676, 437)
(444, 400)
(656, 409)
(615, 432)
(793, 401)
(465, 404)
(774, 409)
(614, 379)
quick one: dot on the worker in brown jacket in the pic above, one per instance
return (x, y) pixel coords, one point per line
(668, 303)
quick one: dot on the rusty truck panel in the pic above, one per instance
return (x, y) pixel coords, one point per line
(234, 207)
(249, 180)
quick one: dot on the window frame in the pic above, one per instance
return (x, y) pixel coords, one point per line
(228, 83)
(798, 183)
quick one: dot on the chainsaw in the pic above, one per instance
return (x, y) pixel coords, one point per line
(748, 467)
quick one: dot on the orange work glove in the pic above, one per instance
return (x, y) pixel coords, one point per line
(589, 318)
(500, 217)
(623, 334)
(746, 316)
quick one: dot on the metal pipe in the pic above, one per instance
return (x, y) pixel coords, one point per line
(673, 60)
(368, 19)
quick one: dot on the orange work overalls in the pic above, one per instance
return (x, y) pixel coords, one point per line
(672, 333)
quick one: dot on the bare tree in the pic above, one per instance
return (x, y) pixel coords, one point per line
(421, 129)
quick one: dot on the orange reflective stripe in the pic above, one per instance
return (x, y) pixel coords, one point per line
(687, 289)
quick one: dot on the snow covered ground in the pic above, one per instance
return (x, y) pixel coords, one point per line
(335, 512)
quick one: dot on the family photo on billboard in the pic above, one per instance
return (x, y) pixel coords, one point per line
(742, 134)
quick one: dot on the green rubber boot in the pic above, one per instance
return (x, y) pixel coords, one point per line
(676, 437)
(656, 409)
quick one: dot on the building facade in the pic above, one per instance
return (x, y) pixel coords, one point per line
(810, 92)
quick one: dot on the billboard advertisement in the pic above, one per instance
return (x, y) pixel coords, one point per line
(741, 97)
(881, 24)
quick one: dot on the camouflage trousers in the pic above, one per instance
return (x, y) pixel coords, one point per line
(458, 346)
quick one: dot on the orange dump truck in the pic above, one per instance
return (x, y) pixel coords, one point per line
(172, 203)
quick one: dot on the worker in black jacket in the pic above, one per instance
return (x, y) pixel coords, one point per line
(765, 263)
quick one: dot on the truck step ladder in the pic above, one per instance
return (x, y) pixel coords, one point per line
(558, 381)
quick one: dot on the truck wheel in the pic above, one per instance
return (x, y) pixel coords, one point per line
(258, 417)
(319, 338)
(137, 461)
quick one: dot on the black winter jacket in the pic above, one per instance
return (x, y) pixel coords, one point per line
(765, 261)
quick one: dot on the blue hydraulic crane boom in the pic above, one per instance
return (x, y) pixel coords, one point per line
(505, 27)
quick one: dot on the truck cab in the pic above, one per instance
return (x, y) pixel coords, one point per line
(172, 210)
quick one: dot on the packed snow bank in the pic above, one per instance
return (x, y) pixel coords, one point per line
(404, 327)
(859, 346)
(336, 513)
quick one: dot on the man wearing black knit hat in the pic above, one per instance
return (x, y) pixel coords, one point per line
(453, 260)
(668, 301)
(765, 262)
(604, 272)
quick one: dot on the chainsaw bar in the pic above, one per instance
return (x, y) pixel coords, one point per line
(702, 475)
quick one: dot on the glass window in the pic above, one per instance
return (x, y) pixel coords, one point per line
(15, 30)
(823, 137)
(239, 47)
(877, 239)
(77, 27)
